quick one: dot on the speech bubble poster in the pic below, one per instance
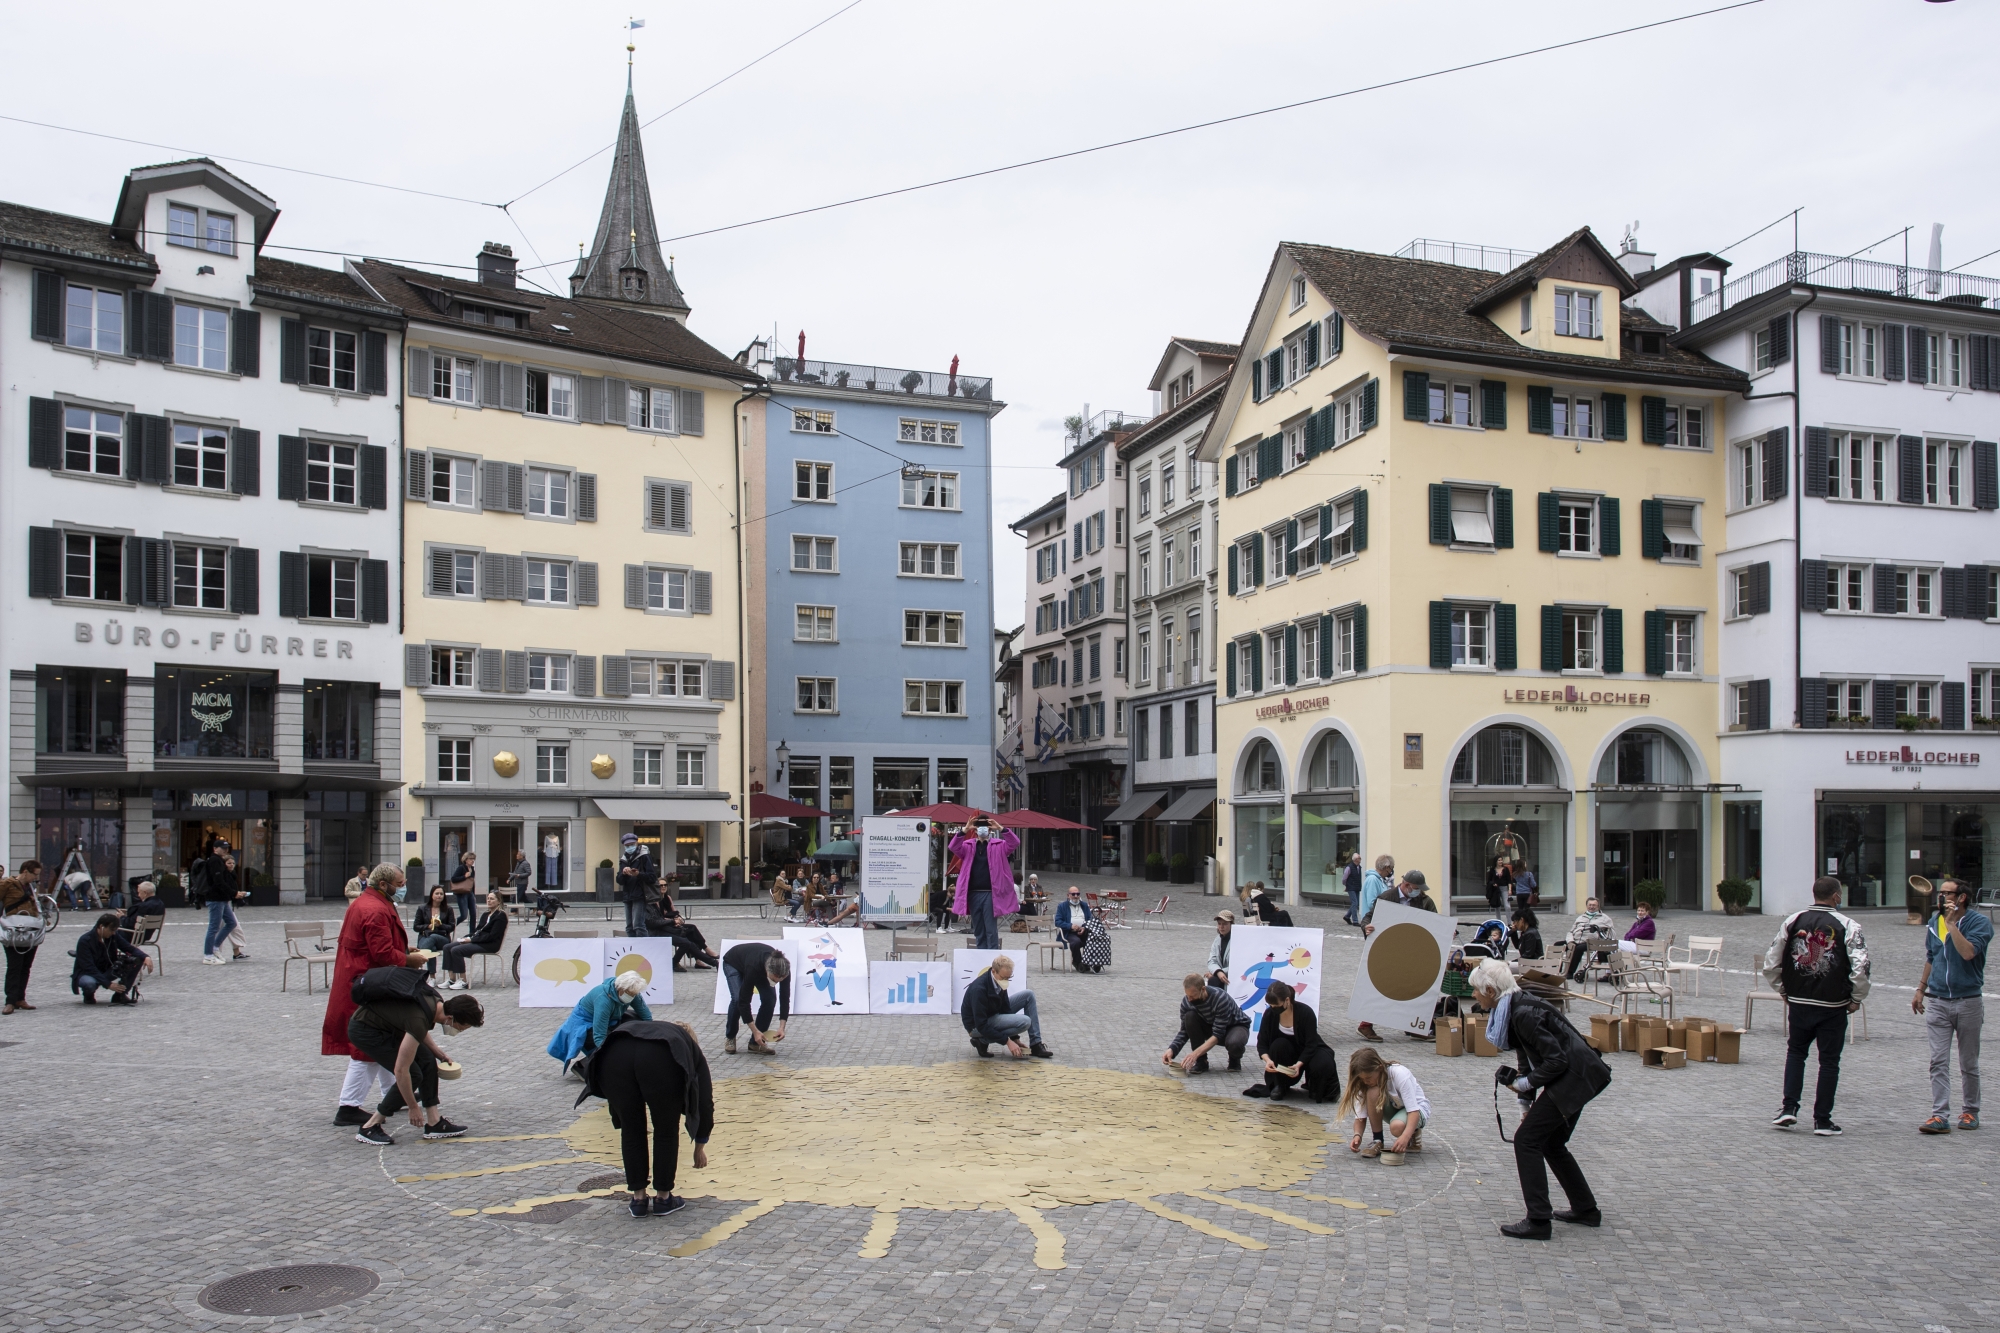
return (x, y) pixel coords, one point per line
(555, 974)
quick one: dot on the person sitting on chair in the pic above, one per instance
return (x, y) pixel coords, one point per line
(1072, 919)
(486, 937)
(146, 913)
(1589, 937)
(1644, 927)
(664, 919)
(1267, 909)
(433, 923)
(1526, 936)
(1289, 1043)
(103, 959)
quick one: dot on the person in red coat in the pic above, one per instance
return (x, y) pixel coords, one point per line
(371, 935)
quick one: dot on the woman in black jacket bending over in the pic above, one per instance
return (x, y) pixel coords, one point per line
(1557, 1063)
(1288, 1040)
(487, 933)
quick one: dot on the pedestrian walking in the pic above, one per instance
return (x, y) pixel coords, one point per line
(23, 927)
(1350, 880)
(1819, 963)
(371, 935)
(464, 884)
(638, 880)
(985, 889)
(1951, 997)
(223, 890)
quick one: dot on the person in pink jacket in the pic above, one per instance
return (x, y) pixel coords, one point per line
(985, 879)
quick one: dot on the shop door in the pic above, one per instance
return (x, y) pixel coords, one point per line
(502, 841)
(690, 859)
(1614, 869)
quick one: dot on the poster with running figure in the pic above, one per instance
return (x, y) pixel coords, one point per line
(1402, 969)
(835, 980)
(1260, 955)
(797, 981)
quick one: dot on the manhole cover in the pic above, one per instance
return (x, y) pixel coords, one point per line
(613, 1181)
(291, 1290)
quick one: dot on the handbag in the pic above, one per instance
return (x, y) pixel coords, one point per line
(22, 933)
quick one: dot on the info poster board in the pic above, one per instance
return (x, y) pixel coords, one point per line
(1260, 955)
(555, 974)
(895, 866)
(835, 979)
(901, 987)
(797, 981)
(1402, 969)
(967, 964)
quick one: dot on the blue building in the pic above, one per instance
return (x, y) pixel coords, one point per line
(873, 564)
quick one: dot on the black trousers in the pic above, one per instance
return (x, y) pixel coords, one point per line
(641, 1078)
(423, 1074)
(456, 952)
(1810, 1024)
(1074, 939)
(19, 961)
(1541, 1145)
(1198, 1030)
(126, 970)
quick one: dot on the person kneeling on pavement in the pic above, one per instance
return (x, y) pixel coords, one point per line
(396, 1034)
(1384, 1094)
(1209, 1018)
(104, 958)
(991, 1015)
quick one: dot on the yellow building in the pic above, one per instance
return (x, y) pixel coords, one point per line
(1469, 607)
(571, 605)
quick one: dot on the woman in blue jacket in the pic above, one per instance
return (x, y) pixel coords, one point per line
(599, 1011)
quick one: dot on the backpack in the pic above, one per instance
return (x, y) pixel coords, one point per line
(390, 983)
(197, 882)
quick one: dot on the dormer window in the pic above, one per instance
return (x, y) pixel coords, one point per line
(198, 228)
(499, 319)
(1576, 313)
(635, 282)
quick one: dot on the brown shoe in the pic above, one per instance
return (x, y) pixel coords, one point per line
(1368, 1032)
(7, 1010)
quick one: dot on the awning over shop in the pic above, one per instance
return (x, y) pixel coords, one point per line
(660, 810)
(1136, 807)
(1192, 805)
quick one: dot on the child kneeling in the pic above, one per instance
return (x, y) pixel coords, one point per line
(1384, 1094)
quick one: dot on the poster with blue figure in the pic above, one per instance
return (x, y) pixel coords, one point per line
(835, 975)
(1260, 955)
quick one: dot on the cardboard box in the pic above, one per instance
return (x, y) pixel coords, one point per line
(1676, 1032)
(1475, 1036)
(1664, 1057)
(1605, 1032)
(1728, 1045)
(1653, 1032)
(1628, 1032)
(1700, 1043)
(1451, 1036)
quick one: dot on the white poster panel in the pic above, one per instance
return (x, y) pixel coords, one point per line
(967, 964)
(835, 980)
(1260, 955)
(896, 987)
(555, 974)
(796, 981)
(652, 958)
(1402, 969)
(895, 865)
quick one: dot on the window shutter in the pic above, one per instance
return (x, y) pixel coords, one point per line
(1652, 420)
(1274, 370)
(291, 584)
(244, 580)
(503, 487)
(416, 665)
(1270, 457)
(1552, 647)
(1291, 655)
(635, 587)
(1235, 556)
(1257, 562)
(1812, 585)
(47, 320)
(1918, 366)
(1440, 636)
(1312, 433)
(1656, 643)
(374, 361)
(246, 352)
(45, 433)
(1493, 404)
(1256, 663)
(1613, 630)
(1547, 514)
(1325, 533)
(1781, 339)
(1818, 443)
(590, 401)
(292, 351)
(586, 583)
(1892, 351)
(1760, 705)
(1229, 476)
(1369, 393)
(443, 574)
(701, 592)
(44, 562)
(656, 506)
(517, 578)
(693, 404)
(1610, 540)
(586, 497)
(156, 447)
(1291, 542)
(291, 467)
(374, 476)
(489, 673)
(1503, 518)
(513, 386)
(1952, 595)
(1977, 584)
(1829, 344)
(1910, 469)
(416, 475)
(1986, 471)
(1614, 416)
(1882, 587)
(1325, 646)
(1760, 588)
(583, 676)
(490, 391)
(1440, 515)
(1951, 705)
(1652, 529)
(135, 570)
(1339, 335)
(1228, 669)
(1506, 647)
(1257, 380)
(1777, 463)
(515, 677)
(1812, 704)
(159, 573)
(375, 592)
(1360, 638)
(1361, 520)
(493, 577)
(617, 402)
(159, 330)
(246, 461)
(722, 681)
(1312, 345)
(1975, 346)
(1541, 410)
(421, 382)
(1416, 396)
(617, 676)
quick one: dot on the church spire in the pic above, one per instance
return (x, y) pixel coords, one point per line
(624, 262)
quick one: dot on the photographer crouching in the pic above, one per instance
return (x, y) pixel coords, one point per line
(1554, 1059)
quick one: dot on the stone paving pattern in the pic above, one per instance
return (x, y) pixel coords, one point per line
(157, 1149)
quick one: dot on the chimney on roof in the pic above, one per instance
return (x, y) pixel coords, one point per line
(496, 264)
(1630, 257)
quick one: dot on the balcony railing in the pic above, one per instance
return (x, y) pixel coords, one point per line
(1861, 275)
(881, 379)
(1495, 258)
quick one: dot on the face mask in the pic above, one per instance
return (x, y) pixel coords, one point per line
(402, 890)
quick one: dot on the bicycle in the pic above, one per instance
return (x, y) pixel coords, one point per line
(545, 912)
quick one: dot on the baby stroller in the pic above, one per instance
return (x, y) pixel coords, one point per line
(1096, 944)
(1489, 941)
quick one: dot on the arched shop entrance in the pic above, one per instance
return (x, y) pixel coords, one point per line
(1507, 800)
(1259, 805)
(1329, 809)
(1649, 819)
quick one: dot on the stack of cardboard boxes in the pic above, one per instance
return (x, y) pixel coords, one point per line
(1666, 1045)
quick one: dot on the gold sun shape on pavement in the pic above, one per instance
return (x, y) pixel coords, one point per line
(998, 1136)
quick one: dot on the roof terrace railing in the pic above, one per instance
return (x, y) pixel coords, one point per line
(1495, 258)
(881, 379)
(1842, 271)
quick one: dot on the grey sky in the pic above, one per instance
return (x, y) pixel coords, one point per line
(1061, 282)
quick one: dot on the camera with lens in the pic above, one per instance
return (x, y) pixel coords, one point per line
(1505, 1075)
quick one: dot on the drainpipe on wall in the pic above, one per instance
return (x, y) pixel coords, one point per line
(742, 635)
(1798, 519)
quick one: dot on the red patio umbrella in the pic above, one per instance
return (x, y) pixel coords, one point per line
(946, 812)
(1036, 819)
(763, 805)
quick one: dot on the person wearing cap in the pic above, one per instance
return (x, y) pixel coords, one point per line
(637, 880)
(1218, 949)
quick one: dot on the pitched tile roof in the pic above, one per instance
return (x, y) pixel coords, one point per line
(1041, 511)
(633, 334)
(1200, 347)
(1526, 275)
(1204, 399)
(60, 235)
(323, 286)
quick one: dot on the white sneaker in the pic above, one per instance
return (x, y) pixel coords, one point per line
(458, 985)
(214, 960)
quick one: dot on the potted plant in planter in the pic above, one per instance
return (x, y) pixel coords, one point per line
(1156, 867)
(605, 883)
(1181, 869)
(413, 875)
(1651, 892)
(1735, 895)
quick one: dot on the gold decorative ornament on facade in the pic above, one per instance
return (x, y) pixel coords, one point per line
(506, 763)
(602, 765)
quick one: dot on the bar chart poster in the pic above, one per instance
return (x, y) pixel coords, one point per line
(895, 863)
(909, 988)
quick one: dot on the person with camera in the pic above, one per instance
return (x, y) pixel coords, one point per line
(985, 879)
(1561, 1073)
(103, 959)
(1951, 998)
(1819, 963)
(638, 881)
